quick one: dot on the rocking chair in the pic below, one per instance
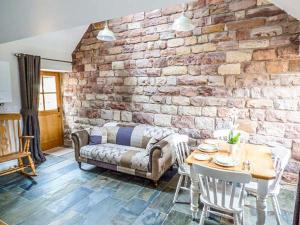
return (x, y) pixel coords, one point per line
(13, 146)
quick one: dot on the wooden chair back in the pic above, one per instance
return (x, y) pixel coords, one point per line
(14, 146)
(10, 132)
(222, 188)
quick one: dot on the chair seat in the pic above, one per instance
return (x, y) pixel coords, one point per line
(120, 155)
(251, 188)
(13, 156)
(184, 169)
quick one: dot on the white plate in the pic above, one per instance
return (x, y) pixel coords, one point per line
(208, 148)
(224, 160)
(201, 157)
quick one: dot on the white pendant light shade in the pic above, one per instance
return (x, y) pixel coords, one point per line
(106, 34)
(183, 23)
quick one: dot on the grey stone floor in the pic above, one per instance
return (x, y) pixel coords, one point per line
(64, 194)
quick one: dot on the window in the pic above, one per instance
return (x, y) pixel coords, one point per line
(48, 93)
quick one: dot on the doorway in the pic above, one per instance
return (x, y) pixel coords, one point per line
(50, 113)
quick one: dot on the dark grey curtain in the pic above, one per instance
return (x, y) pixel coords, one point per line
(29, 71)
(296, 220)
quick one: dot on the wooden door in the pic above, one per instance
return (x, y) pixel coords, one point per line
(50, 115)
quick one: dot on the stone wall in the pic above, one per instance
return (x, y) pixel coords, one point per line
(242, 54)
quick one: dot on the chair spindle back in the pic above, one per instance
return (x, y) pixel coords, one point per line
(220, 187)
(281, 157)
(182, 152)
(10, 131)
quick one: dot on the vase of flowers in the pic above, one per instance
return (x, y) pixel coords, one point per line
(233, 142)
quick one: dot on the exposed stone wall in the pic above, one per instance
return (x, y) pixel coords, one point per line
(242, 54)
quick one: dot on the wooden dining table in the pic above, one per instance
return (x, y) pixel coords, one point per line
(261, 168)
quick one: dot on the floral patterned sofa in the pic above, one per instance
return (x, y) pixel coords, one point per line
(137, 149)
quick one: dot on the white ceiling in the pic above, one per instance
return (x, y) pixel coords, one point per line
(59, 43)
(26, 18)
(292, 7)
(56, 45)
(53, 28)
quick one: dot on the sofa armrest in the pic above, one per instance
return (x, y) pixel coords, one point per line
(80, 139)
(162, 154)
(156, 159)
(169, 143)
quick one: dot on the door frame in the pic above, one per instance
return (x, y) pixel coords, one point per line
(59, 100)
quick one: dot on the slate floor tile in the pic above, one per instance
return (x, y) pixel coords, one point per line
(98, 182)
(286, 200)
(131, 210)
(68, 218)
(87, 203)
(177, 218)
(69, 200)
(40, 217)
(51, 160)
(183, 208)
(63, 194)
(164, 201)
(148, 194)
(56, 166)
(136, 206)
(15, 215)
(150, 217)
(126, 191)
(6, 197)
(104, 212)
(12, 204)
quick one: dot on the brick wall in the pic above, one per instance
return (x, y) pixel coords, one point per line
(242, 54)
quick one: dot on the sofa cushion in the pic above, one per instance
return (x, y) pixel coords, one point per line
(120, 155)
(158, 133)
(127, 134)
(98, 135)
(124, 135)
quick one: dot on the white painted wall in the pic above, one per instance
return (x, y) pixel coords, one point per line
(5, 82)
(57, 45)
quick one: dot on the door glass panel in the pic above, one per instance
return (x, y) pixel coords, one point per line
(41, 86)
(41, 103)
(50, 101)
(49, 84)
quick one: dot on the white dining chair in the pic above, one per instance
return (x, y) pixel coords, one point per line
(224, 133)
(182, 152)
(281, 158)
(222, 192)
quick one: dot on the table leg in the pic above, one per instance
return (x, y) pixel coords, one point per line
(261, 202)
(194, 193)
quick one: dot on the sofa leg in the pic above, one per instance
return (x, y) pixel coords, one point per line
(155, 182)
(79, 165)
